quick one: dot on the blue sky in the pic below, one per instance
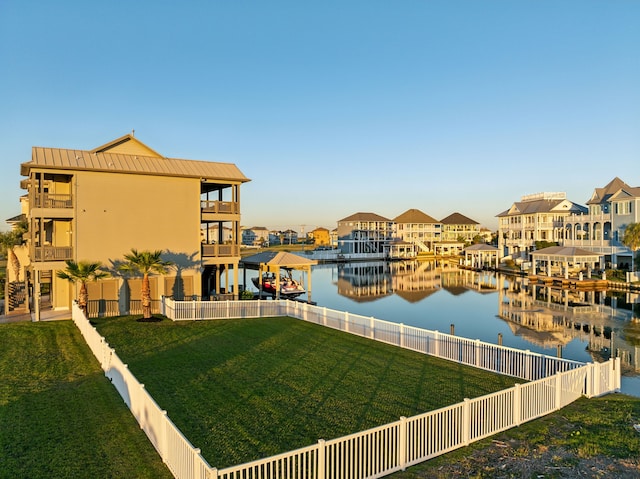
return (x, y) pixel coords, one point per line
(335, 107)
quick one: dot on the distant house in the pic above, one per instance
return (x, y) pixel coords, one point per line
(536, 217)
(255, 236)
(320, 236)
(365, 233)
(213, 234)
(289, 237)
(418, 228)
(457, 227)
(610, 209)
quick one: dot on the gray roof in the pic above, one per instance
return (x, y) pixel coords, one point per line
(602, 195)
(567, 251)
(481, 247)
(541, 206)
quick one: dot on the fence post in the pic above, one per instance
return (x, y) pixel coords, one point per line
(558, 404)
(466, 421)
(478, 350)
(372, 327)
(402, 335)
(322, 473)
(346, 321)
(589, 384)
(324, 316)
(436, 337)
(617, 375)
(517, 404)
(402, 443)
(196, 463)
(164, 447)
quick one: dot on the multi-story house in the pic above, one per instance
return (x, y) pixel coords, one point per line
(365, 233)
(320, 236)
(536, 217)
(98, 205)
(457, 227)
(289, 236)
(418, 228)
(601, 228)
(255, 236)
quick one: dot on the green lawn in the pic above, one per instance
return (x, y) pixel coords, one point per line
(59, 416)
(250, 388)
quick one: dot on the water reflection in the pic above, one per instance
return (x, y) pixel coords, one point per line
(580, 325)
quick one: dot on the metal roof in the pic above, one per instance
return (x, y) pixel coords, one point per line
(283, 259)
(110, 158)
(565, 251)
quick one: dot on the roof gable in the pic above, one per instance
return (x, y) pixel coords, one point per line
(360, 216)
(458, 219)
(415, 216)
(601, 195)
(127, 145)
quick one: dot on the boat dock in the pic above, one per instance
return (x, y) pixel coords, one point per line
(591, 284)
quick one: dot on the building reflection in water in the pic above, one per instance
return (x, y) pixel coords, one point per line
(607, 321)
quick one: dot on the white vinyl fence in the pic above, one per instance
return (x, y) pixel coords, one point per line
(380, 451)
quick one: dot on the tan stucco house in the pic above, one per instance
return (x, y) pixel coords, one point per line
(96, 205)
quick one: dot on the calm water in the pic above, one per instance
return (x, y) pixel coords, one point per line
(585, 326)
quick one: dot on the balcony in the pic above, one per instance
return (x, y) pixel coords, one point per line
(220, 250)
(220, 207)
(49, 200)
(53, 253)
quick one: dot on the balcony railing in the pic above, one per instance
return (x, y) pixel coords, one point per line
(225, 207)
(220, 250)
(53, 253)
(50, 200)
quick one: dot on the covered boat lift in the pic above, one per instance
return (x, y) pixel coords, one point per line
(480, 255)
(565, 259)
(273, 262)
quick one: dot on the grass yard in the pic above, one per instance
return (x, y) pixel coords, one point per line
(59, 416)
(250, 388)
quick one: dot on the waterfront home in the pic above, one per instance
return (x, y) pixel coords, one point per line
(418, 228)
(536, 217)
(365, 233)
(457, 227)
(255, 236)
(600, 229)
(96, 205)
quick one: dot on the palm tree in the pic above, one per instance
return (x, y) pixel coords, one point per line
(631, 237)
(82, 272)
(145, 263)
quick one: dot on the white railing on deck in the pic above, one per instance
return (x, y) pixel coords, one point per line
(379, 451)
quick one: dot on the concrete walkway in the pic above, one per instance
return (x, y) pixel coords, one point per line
(47, 315)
